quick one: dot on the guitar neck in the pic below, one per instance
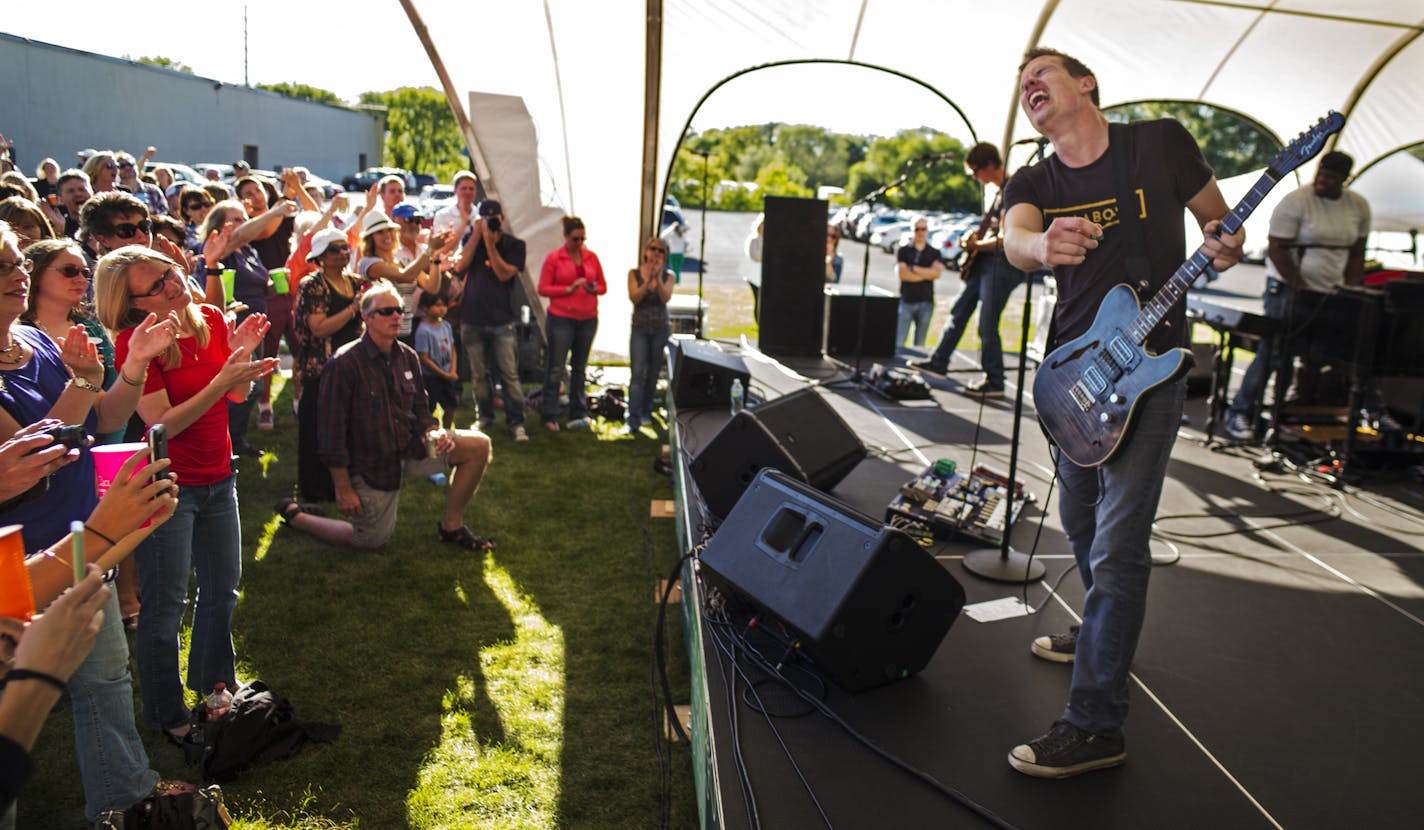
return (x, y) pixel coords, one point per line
(1156, 309)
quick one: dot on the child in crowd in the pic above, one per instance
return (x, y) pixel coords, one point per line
(435, 344)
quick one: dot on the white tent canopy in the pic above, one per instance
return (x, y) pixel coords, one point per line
(580, 68)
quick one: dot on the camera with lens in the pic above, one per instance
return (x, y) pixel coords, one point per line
(66, 434)
(493, 223)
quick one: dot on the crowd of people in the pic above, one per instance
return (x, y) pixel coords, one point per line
(132, 299)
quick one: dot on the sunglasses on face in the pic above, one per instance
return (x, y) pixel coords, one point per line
(124, 165)
(127, 230)
(8, 268)
(197, 205)
(388, 311)
(72, 271)
(111, 167)
(158, 285)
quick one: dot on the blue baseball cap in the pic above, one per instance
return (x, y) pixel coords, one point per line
(404, 210)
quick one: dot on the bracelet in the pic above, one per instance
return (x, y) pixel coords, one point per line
(31, 674)
(49, 553)
(90, 528)
(138, 382)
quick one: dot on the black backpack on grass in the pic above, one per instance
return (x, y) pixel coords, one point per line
(260, 726)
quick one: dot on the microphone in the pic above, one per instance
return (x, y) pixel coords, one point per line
(932, 157)
(1040, 140)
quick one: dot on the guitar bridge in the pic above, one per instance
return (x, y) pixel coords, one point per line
(1081, 396)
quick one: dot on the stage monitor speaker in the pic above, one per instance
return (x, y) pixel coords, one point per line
(791, 316)
(798, 434)
(867, 604)
(813, 434)
(702, 374)
(882, 310)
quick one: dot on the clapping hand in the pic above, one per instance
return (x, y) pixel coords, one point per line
(239, 369)
(57, 641)
(249, 333)
(81, 356)
(152, 336)
(218, 244)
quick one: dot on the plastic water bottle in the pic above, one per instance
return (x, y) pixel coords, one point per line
(219, 702)
(738, 396)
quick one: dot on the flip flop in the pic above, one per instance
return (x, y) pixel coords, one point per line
(465, 538)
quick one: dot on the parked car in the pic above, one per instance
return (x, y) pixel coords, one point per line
(364, 179)
(224, 170)
(422, 181)
(181, 172)
(432, 199)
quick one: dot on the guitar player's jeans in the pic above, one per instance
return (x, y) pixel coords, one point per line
(990, 282)
(1107, 514)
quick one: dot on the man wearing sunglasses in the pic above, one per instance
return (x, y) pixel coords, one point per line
(116, 219)
(376, 429)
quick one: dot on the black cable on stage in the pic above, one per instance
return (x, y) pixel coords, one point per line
(744, 780)
(660, 646)
(737, 671)
(934, 783)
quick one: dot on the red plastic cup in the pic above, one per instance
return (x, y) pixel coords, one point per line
(17, 598)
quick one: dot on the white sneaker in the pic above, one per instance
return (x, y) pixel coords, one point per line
(1238, 426)
(520, 436)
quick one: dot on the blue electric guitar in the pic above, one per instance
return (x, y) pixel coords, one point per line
(1087, 390)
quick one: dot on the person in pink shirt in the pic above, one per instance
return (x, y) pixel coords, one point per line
(572, 279)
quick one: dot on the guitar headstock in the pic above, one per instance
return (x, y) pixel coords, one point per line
(1306, 145)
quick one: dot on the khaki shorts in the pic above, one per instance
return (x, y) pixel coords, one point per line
(373, 528)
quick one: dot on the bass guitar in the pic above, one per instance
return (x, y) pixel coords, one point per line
(1087, 390)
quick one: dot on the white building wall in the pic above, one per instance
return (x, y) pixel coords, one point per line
(55, 101)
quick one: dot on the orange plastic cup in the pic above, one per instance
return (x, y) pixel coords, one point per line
(17, 598)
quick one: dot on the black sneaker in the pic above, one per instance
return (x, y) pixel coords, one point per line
(1059, 648)
(928, 366)
(983, 390)
(1065, 750)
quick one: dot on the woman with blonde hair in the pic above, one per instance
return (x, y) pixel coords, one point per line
(103, 171)
(649, 289)
(26, 220)
(186, 389)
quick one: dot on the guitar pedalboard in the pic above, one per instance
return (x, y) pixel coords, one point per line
(943, 502)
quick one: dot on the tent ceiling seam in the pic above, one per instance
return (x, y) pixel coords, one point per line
(1230, 53)
(1271, 9)
(559, 91)
(855, 38)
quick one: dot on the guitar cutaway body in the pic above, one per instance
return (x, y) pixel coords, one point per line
(1087, 390)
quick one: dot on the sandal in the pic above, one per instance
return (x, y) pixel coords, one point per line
(288, 508)
(465, 538)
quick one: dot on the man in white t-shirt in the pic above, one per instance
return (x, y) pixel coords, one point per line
(1317, 242)
(459, 216)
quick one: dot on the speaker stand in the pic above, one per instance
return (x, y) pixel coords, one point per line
(1005, 564)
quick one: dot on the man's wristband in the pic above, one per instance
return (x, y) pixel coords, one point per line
(31, 674)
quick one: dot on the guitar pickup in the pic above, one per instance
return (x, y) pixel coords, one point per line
(1097, 384)
(1122, 351)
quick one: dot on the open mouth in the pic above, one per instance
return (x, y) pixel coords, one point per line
(1038, 98)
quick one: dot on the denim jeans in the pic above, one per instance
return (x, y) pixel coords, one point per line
(645, 350)
(570, 341)
(493, 346)
(991, 280)
(917, 313)
(205, 537)
(1278, 299)
(1107, 514)
(113, 766)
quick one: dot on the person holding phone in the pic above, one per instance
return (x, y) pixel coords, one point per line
(40, 380)
(187, 389)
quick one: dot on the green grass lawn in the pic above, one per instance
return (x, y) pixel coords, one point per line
(512, 689)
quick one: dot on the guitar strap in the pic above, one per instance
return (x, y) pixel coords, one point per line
(1139, 269)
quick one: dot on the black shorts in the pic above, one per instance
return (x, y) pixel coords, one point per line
(440, 391)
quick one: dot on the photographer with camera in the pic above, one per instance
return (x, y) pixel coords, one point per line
(489, 261)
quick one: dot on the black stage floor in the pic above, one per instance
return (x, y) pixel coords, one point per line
(1279, 681)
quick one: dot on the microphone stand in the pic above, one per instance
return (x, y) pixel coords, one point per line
(1004, 564)
(857, 376)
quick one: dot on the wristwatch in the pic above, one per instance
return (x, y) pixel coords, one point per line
(86, 385)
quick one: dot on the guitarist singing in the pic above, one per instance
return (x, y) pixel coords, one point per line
(1064, 214)
(988, 281)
